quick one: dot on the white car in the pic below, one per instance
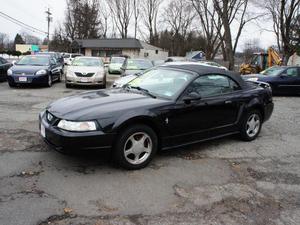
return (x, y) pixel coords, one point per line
(69, 57)
(86, 71)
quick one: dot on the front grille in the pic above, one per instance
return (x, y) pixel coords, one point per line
(84, 75)
(22, 73)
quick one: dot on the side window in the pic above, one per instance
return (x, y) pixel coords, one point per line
(292, 72)
(213, 85)
(52, 61)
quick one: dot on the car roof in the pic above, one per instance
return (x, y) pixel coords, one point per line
(88, 57)
(205, 70)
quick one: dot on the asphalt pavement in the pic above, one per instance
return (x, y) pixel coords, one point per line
(225, 181)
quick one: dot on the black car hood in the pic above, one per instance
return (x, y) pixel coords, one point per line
(101, 104)
(27, 68)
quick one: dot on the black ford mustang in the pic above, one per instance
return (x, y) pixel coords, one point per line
(168, 106)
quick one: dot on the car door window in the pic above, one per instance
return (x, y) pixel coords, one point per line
(292, 72)
(53, 61)
(213, 85)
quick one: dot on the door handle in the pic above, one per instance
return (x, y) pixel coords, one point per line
(228, 102)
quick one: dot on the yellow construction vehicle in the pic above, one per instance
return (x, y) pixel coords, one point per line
(261, 61)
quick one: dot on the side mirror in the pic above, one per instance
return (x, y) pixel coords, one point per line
(193, 96)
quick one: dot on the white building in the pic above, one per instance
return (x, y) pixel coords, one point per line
(106, 48)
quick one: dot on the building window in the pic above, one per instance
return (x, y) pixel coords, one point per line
(156, 52)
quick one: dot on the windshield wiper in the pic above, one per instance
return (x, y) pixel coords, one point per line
(142, 90)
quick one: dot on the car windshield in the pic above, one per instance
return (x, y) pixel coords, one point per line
(66, 56)
(273, 71)
(34, 61)
(87, 62)
(162, 82)
(133, 64)
(118, 60)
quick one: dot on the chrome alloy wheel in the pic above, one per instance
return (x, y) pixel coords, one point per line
(138, 148)
(253, 125)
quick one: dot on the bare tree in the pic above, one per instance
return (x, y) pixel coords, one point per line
(136, 14)
(82, 19)
(72, 18)
(228, 11)
(3, 40)
(179, 16)
(121, 11)
(150, 10)
(283, 12)
(211, 25)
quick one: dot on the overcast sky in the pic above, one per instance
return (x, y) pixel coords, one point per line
(32, 12)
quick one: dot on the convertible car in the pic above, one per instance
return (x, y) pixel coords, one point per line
(166, 107)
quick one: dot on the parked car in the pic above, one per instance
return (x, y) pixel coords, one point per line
(135, 66)
(158, 62)
(34, 69)
(58, 58)
(68, 57)
(166, 107)
(120, 82)
(115, 64)
(282, 79)
(175, 59)
(4, 66)
(86, 71)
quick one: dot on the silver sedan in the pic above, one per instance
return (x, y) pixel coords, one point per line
(86, 71)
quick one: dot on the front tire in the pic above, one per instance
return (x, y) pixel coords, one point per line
(251, 125)
(135, 147)
(12, 85)
(49, 82)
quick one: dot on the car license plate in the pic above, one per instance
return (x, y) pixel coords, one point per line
(84, 79)
(23, 79)
(43, 130)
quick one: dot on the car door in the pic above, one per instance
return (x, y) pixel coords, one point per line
(216, 113)
(55, 68)
(288, 81)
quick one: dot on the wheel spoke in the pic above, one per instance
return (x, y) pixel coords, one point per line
(139, 148)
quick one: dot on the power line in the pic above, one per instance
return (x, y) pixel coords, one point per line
(20, 23)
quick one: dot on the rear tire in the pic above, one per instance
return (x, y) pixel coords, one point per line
(68, 85)
(251, 125)
(135, 147)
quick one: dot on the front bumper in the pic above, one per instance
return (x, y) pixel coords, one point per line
(66, 141)
(268, 110)
(30, 79)
(85, 80)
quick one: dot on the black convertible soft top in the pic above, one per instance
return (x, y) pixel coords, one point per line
(205, 70)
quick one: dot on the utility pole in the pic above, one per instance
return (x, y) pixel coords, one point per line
(49, 20)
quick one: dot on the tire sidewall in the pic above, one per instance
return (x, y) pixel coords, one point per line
(118, 149)
(49, 84)
(243, 129)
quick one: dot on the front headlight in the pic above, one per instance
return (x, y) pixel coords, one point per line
(100, 74)
(70, 73)
(9, 72)
(41, 72)
(77, 126)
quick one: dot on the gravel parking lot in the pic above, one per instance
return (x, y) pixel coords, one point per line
(220, 182)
